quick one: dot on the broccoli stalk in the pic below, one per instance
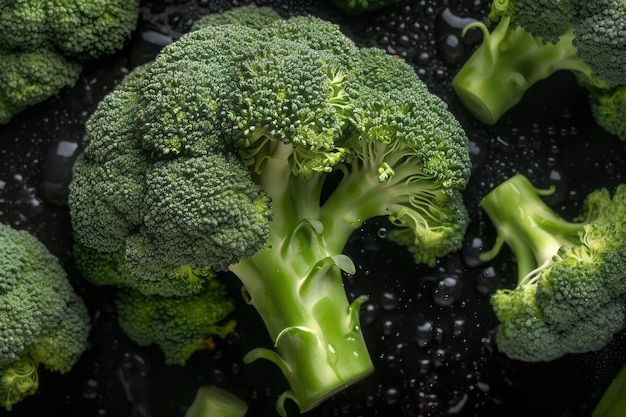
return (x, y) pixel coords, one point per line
(569, 295)
(508, 63)
(529, 40)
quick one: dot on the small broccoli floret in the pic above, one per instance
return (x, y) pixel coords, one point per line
(355, 7)
(31, 77)
(571, 285)
(42, 320)
(180, 326)
(43, 45)
(213, 401)
(530, 40)
(215, 156)
(608, 107)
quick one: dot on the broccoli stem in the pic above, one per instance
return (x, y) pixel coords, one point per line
(509, 62)
(295, 284)
(533, 231)
(613, 401)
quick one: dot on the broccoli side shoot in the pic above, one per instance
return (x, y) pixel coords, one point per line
(43, 45)
(571, 284)
(259, 149)
(529, 40)
(608, 107)
(42, 320)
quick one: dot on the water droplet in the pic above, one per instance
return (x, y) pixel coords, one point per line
(450, 49)
(487, 281)
(382, 232)
(90, 390)
(391, 395)
(447, 291)
(472, 251)
(388, 301)
(424, 334)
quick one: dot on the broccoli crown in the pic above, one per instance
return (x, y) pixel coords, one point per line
(609, 109)
(180, 326)
(176, 170)
(44, 43)
(31, 77)
(76, 28)
(571, 284)
(42, 320)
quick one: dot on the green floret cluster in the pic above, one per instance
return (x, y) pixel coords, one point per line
(43, 45)
(42, 320)
(529, 40)
(570, 295)
(257, 145)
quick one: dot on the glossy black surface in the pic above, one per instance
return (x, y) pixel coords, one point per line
(430, 330)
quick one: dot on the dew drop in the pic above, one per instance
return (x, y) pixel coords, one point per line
(447, 291)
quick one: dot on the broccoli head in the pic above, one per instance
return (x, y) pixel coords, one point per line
(43, 45)
(259, 149)
(42, 320)
(571, 284)
(529, 40)
(608, 107)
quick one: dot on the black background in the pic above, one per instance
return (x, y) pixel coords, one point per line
(431, 359)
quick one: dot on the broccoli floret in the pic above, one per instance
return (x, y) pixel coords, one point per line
(260, 150)
(43, 45)
(250, 16)
(42, 320)
(530, 40)
(355, 7)
(571, 285)
(180, 326)
(213, 401)
(608, 107)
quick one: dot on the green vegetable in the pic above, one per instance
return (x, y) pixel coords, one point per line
(213, 401)
(356, 7)
(530, 40)
(569, 296)
(613, 402)
(42, 320)
(260, 150)
(43, 45)
(608, 107)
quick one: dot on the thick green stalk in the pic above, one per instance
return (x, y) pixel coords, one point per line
(507, 63)
(295, 283)
(523, 221)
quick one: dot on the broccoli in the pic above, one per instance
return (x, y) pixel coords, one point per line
(213, 401)
(180, 326)
(43, 45)
(530, 40)
(355, 7)
(571, 285)
(608, 107)
(613, 401)
(259, 151)
(42, 319)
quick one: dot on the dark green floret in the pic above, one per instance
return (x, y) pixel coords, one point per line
(257, 145)
(43, 45)
(43, 322)
(529, 40)
(571, 286)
